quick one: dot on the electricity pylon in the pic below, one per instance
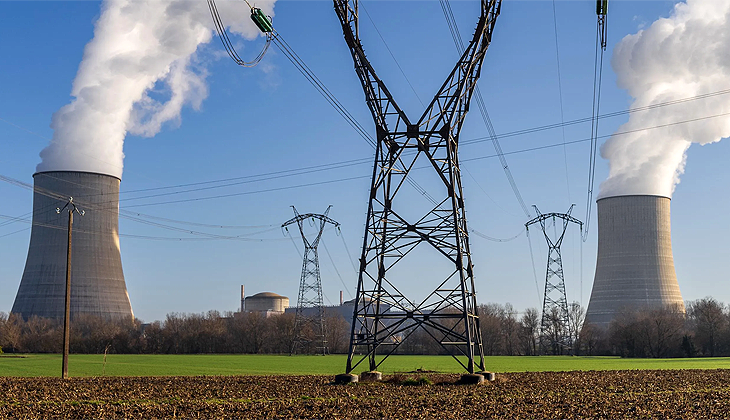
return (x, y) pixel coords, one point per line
(384, 316)
(310, 286)
(555, 329)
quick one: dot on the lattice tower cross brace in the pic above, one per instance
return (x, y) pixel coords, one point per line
(383, 316)
(310, 284)
(555, 328)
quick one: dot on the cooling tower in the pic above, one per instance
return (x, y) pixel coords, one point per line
(97, 280)
(635, 267)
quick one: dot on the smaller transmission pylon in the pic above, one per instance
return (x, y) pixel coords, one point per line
(555, 329)
(309, 324)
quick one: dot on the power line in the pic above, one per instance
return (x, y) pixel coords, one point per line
(601, 35)
(600, 117)
(459, 44)
(309, 184)
(362, 4)
(13, 233)
(468, 172)
(91, 207)
(336, 270)
(284, 174)
(560, 91)
(349, 255)
(266, 176)
(348, 163)
(534, 270)
(228, 45)
(493, 239)
(325, 92)
(519, 151)
(300, 65)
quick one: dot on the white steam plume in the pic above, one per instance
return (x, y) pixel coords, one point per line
(685, 55)
(138, 45)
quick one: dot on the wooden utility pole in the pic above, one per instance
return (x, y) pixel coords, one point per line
(67, 311)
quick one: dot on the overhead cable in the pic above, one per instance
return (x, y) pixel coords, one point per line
(331, 181)
(228, 45)
(601, 41)
(459, 44)
(560, 92)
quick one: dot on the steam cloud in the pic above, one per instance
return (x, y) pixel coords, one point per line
(685, 55)
(139, 46)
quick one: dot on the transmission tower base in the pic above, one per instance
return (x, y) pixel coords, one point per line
(372, 376)
(489, 376)
(471, 379)
(345, 378)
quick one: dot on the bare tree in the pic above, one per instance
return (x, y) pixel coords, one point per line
(649, 332)
(624, 335)
(662, 329)
(338, 333)
(552, 337)
(576, 317)
(530, 331)
(11, 333)
(591, 340)
(709, 320)
(510, 330)
(490, 322)
(41, 335)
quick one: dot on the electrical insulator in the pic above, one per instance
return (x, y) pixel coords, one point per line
(262, 21)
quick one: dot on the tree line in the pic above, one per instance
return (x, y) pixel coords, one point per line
(704, 330)
(212, 332)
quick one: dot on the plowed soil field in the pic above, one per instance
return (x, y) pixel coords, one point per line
(608, 394)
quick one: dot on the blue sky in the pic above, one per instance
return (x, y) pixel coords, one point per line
(269, 119)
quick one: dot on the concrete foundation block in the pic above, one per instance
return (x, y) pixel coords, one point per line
(345, 378)
(489, 376)
(471, 379)
(372, 376)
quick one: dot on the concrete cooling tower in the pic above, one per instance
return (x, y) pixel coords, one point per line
(635, 267)
(97, 280)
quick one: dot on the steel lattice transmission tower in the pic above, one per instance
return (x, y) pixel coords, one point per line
(555, 328)
(384, 316)
(310, 286)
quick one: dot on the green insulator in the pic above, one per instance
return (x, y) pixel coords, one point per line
(602, 7)
(261, 20)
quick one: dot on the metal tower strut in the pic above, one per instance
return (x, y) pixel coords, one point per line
(384, 316)
(555, 328)
(310, 287)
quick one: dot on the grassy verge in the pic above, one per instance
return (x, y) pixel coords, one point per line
(189, 365)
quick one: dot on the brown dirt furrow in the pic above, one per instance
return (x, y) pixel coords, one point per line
(614, 394)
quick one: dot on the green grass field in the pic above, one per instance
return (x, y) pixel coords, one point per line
(185, 365)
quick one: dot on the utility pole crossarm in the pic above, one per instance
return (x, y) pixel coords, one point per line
(564, 216)
(303, 217)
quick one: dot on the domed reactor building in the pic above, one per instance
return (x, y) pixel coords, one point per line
(97, 279)
(635, 266)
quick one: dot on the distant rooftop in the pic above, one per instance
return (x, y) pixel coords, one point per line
(267, 295)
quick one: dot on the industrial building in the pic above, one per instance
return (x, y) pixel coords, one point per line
(635, 266)
(268, 303)
(97, 280)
